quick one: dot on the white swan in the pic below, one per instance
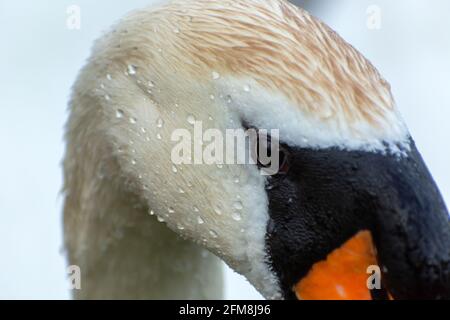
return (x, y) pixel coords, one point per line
(132, 216)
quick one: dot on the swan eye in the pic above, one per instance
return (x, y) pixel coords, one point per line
(284, 161)
(264, 155)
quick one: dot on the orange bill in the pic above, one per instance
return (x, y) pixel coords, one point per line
(343, 275)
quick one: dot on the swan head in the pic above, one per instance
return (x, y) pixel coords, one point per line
(346, 164)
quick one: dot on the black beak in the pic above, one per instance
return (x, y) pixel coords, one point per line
(330, 195)
(411, 228)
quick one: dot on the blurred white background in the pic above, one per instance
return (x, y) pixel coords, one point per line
(40, 58)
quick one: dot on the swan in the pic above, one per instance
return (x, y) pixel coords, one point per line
(351, 192)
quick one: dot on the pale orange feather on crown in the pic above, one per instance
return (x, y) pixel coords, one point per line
(284, 49)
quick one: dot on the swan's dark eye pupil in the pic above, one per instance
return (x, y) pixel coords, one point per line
(264, 146)
(284, 162)
(283, 156)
